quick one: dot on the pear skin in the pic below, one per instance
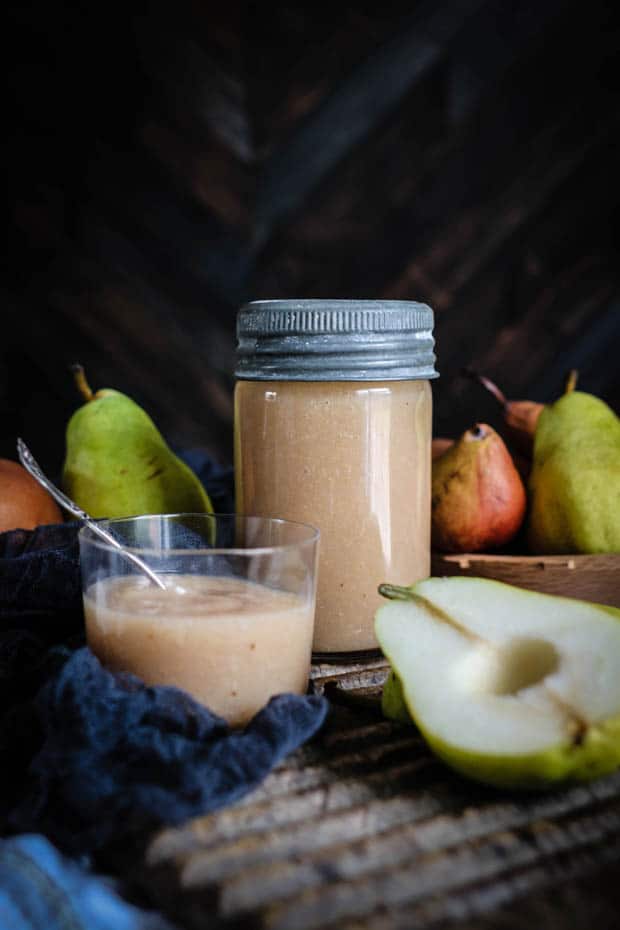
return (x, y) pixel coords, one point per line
(117, 463)
(478, 498)
(393, 704)
(24, 504)
(574, 484)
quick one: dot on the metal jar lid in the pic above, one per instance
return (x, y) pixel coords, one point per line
(335, 340)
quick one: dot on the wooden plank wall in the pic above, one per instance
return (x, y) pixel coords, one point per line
(169, 162)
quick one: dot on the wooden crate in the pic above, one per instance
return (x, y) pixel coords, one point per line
(589, 577)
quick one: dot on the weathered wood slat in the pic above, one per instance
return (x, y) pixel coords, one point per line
(528, 898)
(435, 875)
(365, 829)
(360, 860)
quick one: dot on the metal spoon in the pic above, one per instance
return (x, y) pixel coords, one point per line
(28, 461)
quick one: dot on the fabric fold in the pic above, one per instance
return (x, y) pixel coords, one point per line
(117, 756)
(91, 756)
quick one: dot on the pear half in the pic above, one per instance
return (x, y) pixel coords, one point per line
(508, 686)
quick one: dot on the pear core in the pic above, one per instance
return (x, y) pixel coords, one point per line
(520, 664)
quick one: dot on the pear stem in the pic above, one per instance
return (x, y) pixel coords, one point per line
(395, 592)
(571, 381)
(82, 384)
(488, 384)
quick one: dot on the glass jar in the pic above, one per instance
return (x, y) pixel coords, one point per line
(333, 414)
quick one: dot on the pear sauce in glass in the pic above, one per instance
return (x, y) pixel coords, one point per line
(333, 413)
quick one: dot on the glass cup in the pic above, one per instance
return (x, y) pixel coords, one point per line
(233, 625)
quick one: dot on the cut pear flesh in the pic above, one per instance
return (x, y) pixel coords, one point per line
(508, 685)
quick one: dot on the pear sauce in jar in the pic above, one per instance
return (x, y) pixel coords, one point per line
(333, 414)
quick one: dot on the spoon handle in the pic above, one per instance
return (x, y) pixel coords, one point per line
(30, 464)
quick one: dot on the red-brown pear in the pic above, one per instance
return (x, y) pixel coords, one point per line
(24, 504)
(478, 497)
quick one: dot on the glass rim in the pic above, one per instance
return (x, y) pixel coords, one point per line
(87, 535)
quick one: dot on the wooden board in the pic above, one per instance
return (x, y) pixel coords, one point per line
(462, 153)
(364, 829)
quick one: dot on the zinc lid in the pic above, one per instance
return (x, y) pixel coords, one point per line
(335, 340)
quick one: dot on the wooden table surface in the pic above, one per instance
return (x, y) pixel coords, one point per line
(363, 829)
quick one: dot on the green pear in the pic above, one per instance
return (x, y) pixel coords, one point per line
(393, 701)
(575, 479)
(117, 463)
(508, 686)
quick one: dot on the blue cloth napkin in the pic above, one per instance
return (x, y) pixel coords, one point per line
(120, 757)
(88, 755)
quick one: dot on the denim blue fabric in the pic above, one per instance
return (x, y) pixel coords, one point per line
(42, 890)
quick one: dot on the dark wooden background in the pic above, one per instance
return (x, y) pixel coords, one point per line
(168, 161)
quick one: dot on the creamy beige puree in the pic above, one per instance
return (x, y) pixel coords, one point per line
(353, 459)
(230, 642)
